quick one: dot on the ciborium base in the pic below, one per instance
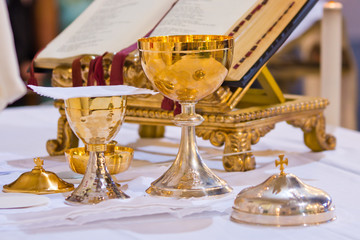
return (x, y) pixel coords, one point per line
(97, 184)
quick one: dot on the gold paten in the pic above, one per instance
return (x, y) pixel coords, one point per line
(186, 69)
(283, 200)
(96, 120)
(38, 181)
(117, 158)
(234, 118)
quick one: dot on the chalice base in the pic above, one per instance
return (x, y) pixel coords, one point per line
(191, 188)
(97, 184)
(188, 176)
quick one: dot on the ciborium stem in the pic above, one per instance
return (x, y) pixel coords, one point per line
(97, 184)
(188, 176)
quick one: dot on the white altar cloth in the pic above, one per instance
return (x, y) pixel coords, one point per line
(25, 130)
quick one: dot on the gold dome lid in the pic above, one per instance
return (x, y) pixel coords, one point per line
(283, 200)
(38, 181)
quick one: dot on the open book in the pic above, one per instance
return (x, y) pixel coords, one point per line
(258, 26)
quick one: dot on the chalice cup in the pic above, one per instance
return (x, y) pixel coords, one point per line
(186, 69)
(95, 120)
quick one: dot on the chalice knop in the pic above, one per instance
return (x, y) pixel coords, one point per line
(187, 68)
(95, 120)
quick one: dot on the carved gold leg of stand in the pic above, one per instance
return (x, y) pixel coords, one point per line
(315, 136)
(237, 150)
(235, 143)
(66, 139)
(151, 131)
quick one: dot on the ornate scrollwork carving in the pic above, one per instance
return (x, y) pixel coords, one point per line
(217, 138)
(237, 142)
(221, 126)
(315, 136)
(133, 73)
(65, 137)
(61, 77)
(257, 133)
(237, 150)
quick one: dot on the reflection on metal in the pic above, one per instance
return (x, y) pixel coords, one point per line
(283, 200)
(187, 69)
(117, 158)
(95, 120)
(235, 118)
(38, 181)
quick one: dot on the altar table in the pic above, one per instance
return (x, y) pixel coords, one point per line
(25, 130)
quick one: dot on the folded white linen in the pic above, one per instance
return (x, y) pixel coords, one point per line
(89, 91)
(140, 204)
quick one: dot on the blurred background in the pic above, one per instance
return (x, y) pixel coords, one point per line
(35, 23)
(295, 67)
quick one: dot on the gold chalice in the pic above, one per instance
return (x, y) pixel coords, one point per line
(96, 120)
(186, 69)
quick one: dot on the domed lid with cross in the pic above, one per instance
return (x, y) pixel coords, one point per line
(38, 181)
(283, 200)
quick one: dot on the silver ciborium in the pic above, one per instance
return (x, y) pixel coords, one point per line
(96, 120)
(186, 69)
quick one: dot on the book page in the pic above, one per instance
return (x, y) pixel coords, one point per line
(107, 26)
(203, 17)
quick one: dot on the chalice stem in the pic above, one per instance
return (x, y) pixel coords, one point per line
(188, 176)
(188, 156)
(188, 159)
(97, 183)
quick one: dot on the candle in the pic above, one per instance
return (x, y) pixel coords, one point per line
(331, 60)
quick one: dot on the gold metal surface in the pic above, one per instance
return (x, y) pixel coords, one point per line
(95, 120)
(236, 130)
(66, 139)
(283, 200)
(117, 158)
(281, 163)
(235, 118)
(38, 181)
(186, 69)
(151, 131)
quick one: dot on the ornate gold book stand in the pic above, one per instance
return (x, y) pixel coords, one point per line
(236, 118)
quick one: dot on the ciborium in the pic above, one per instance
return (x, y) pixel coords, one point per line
(186, 69)
(283, 200)
(95, 120)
